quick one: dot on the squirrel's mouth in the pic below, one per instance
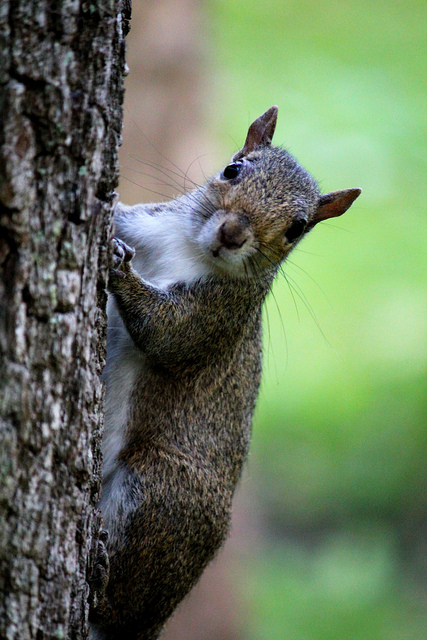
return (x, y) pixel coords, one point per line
(226, 240)
(230, 242)
(216, 250)
(230, 236)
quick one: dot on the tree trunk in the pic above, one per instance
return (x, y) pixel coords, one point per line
(60, 100)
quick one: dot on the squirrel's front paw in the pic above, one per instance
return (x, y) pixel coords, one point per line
(122, 256)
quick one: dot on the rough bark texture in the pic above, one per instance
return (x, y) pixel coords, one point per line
(60, 104)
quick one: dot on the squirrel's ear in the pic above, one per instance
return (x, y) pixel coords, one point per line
(334, 204)
(260, 133)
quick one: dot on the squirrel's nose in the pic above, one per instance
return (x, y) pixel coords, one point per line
(233, 234)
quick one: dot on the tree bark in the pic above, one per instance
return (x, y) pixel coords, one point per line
(61, 96)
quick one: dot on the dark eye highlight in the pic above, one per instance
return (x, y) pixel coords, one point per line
(296, 230)
(231, 171)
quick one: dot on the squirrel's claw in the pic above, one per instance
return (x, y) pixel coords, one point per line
(122, 254)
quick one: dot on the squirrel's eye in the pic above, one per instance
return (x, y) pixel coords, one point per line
(296, 230)
(231, 171)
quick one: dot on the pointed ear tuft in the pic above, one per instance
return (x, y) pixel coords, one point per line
(260, 133)
(334, 204)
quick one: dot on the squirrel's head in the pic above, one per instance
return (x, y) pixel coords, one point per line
(255, 211)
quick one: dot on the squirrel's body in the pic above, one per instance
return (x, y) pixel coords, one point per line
(183, 370)
(163, 258)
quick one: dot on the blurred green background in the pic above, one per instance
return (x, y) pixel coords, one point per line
(337, 473)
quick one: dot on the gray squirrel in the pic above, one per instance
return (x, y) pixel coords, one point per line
(183, 371)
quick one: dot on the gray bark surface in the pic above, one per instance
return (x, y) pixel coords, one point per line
(61, 93)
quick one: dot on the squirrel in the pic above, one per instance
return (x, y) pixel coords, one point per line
(183, 371)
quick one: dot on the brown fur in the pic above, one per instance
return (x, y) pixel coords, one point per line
(189, 428)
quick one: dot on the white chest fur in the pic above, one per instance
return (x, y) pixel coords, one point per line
(166, 252)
